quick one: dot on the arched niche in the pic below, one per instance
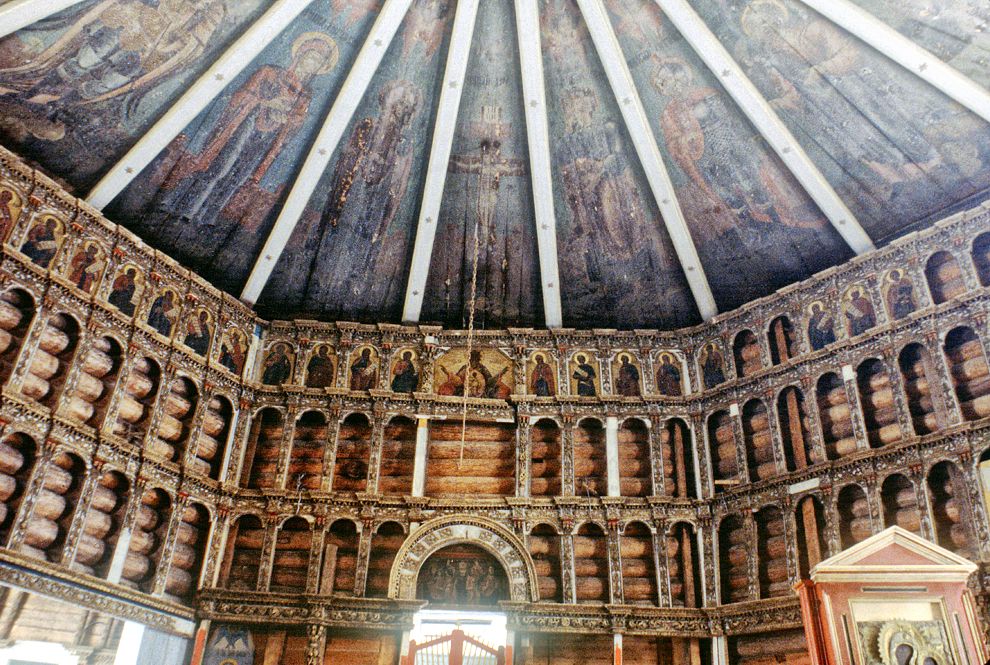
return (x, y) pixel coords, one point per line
(436, 534)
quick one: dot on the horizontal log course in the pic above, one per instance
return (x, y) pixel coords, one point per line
(472, 450)
(214, 422)
(97, 524)
(178, 582)
(763, 644)
(588, 548)
(90, 550)
(909, 519)
(53, 341)
(80, 410)
(11, 316)
(591, 589)
(89, 388)
(638, 589)
(41, 532)
(44, 365)
(471, 467)
(449, 485)
(635, 567)
(143, 542)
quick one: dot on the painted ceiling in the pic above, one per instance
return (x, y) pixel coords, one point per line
(81, 88)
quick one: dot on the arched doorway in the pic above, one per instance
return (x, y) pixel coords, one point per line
(488, 536)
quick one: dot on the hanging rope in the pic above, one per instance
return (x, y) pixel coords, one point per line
(470, 339)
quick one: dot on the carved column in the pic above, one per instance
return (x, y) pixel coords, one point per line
(704, 474)
(917, 477)
(192, 447)
(657, 458)
(282, 481)
(316, 555)
(708, 558)
(873, 500)
(969, 276)
(123, 545)
(29, 347)
(83, 347)
(742, 463)
(316, 644)
(944, 375)
(754, 559)
(268, 552)
(814, 430)
(568, 592)
(790, 540)
(81, 509)
(977, 503)
(330, 453)
(363, 556)
(830, 500)
(158, 409)
(32, 488)
(776, 440)
(524, 455)
(219, 532)
(892, 367)
(168, 546)
(614, 561)
(661, 566)
(375, 452)
(567, 457)
(233, 472)
(855, 409)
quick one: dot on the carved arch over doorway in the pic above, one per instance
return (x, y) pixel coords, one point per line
(442, 532)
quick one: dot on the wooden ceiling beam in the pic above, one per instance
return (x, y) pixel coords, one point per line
(196, 98)
(900, 49)
(634, 115)
(20, 14)
(334, 126)
(436, 170)
(538, 138)
(765, 119)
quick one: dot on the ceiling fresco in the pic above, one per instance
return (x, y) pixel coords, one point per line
(79, 88)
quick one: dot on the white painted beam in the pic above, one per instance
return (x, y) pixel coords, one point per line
(765, 119)
(900, 49)
(436, 170)
(337, 120)
(22, 13)
(538, 138)
(612, 477)
(195, 99)
(617, 71)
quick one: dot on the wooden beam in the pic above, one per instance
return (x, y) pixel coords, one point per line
(199, 95)
(763, 117)
(22, 13)
(337, 120)
(436, 170)
(538, 138)
(906, 53)
(627, 97)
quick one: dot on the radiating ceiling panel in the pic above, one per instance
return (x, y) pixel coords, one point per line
(79, 88)
(348, 256)
(488, 186)
(211, 197)
(617, 266)
(755, 227)
(898, 152)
